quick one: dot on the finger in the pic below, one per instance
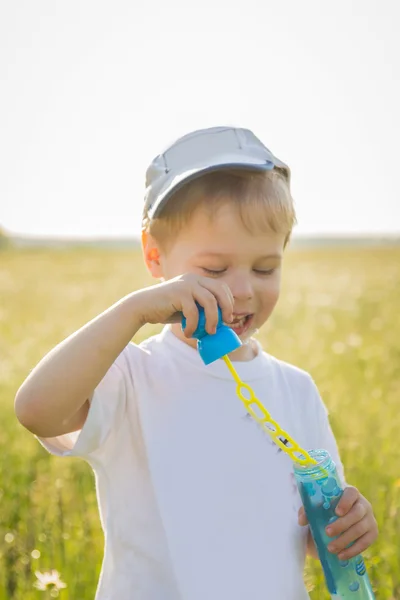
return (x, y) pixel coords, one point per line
(358, 547)
(355, 514)
(208, 301)
(350, 536)
(223, 295)
(302, 518)
(349, 497)
(191, 313)
(228, 315)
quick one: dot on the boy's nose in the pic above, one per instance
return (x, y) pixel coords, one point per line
(241, 288)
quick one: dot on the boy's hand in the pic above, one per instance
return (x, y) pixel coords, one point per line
(355, 525)
(164, 303)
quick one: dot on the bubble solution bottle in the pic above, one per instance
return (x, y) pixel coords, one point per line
(320, 490)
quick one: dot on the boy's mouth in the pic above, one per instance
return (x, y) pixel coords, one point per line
(241, 323)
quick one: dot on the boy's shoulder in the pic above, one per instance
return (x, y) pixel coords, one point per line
(151, 352)
(295, 387)
(147, 346)
(286, 367)
(288, 371)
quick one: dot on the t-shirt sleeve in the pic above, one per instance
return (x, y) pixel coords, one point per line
(106, 413)
(324, 436)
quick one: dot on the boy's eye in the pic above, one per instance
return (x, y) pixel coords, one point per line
(214, 272)
(264, 271)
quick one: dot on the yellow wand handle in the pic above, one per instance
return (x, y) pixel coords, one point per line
(291, 447)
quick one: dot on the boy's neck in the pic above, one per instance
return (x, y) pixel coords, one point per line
(246, 352)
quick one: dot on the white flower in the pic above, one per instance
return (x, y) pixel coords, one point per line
(49, 578)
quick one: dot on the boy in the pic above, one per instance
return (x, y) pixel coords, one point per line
(195, 503)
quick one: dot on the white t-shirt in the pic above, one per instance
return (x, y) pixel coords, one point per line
(195, 501)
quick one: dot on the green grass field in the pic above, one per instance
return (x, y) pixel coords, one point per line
(338, 318)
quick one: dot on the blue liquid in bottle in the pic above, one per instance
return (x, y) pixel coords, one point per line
(320, 490)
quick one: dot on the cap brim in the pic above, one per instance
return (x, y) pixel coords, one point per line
(175, 183)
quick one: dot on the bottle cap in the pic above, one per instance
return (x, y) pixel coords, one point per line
(215, 346)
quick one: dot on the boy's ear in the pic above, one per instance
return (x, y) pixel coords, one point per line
(151, 255)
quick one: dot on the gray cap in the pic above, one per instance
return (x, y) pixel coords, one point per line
(200, 152)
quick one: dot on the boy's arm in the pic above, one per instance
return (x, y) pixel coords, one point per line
(53, 400)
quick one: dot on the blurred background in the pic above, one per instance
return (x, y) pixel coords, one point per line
(90, 92)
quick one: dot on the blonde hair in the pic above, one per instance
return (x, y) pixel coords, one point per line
(262, 199)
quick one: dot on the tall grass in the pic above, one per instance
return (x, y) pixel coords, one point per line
(338, 318)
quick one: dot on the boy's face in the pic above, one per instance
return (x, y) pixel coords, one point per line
(222, 248)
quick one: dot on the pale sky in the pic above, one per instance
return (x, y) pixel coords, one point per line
(91, 91)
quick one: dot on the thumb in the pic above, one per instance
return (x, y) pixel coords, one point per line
(301, 517)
